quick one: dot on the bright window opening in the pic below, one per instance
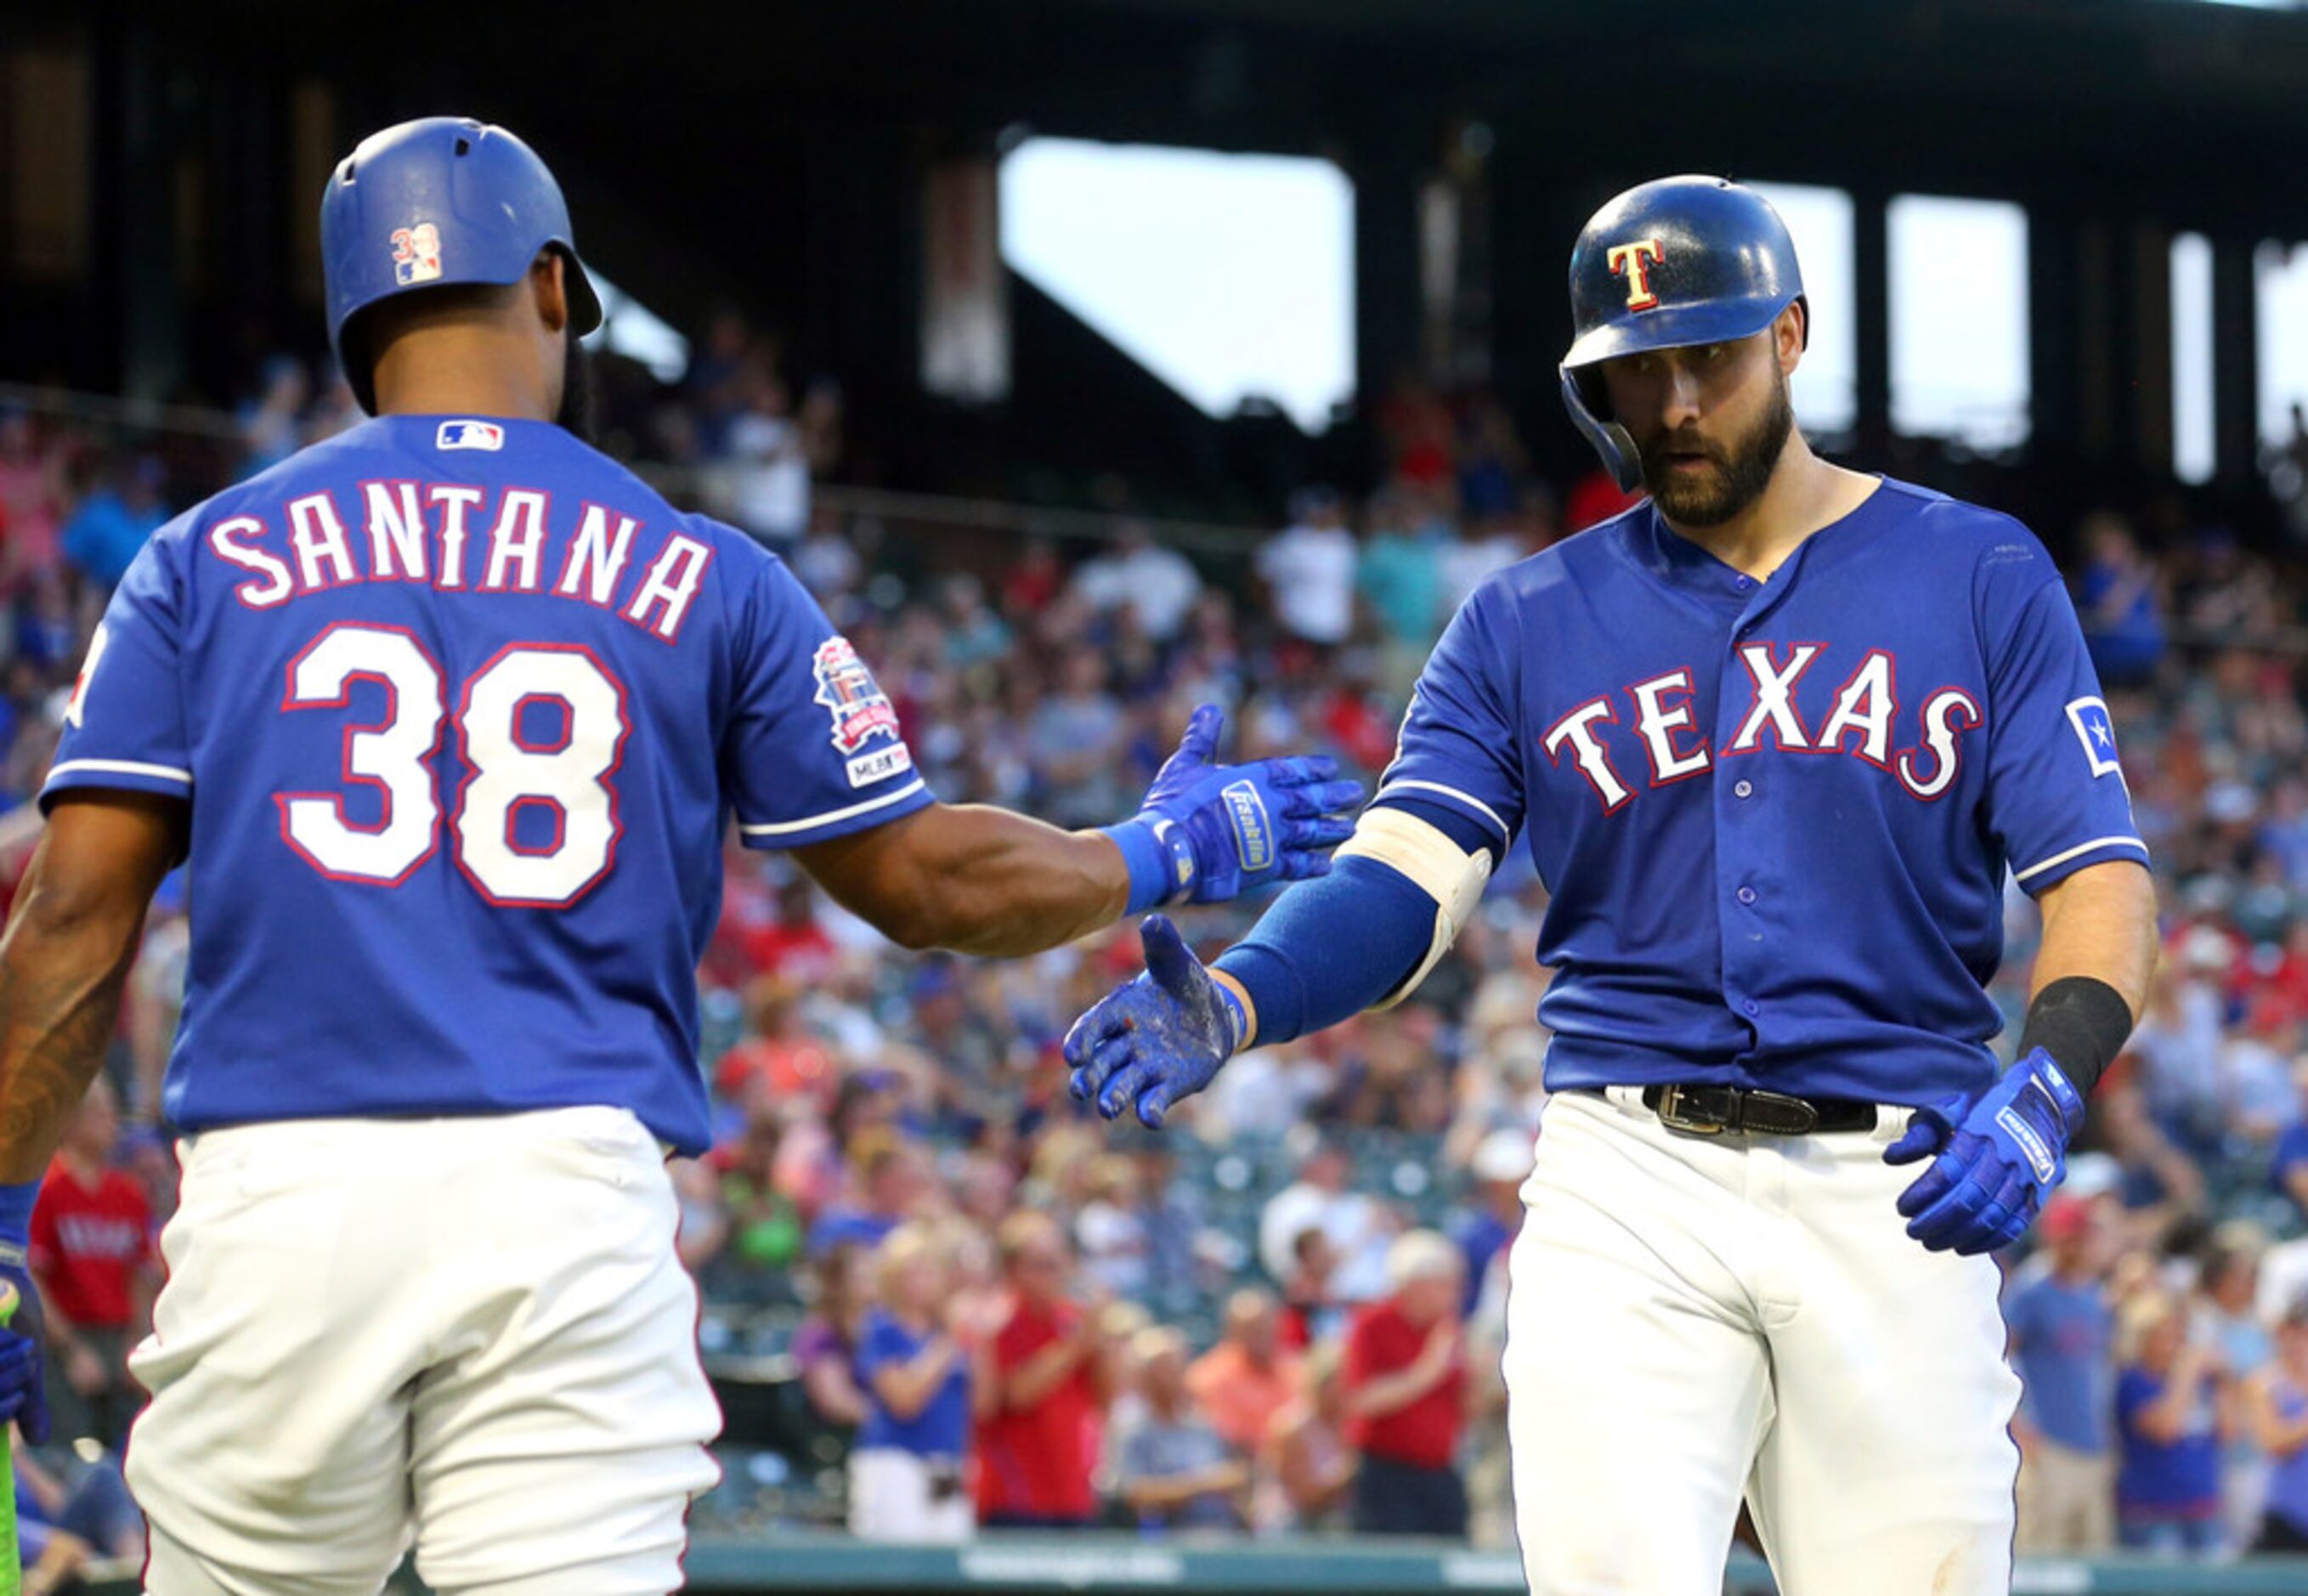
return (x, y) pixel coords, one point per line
(1959, 289)
(2194, 450)
(1230, 277)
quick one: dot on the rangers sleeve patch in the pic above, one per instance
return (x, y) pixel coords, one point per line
(2097, 733)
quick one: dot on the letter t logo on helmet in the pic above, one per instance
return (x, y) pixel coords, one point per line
(1626, 260)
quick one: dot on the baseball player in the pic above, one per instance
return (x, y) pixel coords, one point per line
(449, 715)
(1776, 738)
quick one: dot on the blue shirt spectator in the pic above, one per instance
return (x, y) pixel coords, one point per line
(2062, 1336)
(2167, 1486)
(941, 1427)
(112, 525)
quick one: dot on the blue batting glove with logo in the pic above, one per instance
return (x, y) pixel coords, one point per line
(1208, 832)
(1998, 1153)
(23, 1393)
(1158, 1038)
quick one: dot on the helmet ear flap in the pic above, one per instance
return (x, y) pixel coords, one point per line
(1589, 413)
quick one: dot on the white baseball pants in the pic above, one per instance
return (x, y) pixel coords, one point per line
(472, 1335)
(1695, 1318)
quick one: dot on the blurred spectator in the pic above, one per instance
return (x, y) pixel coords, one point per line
(271, 425)
(1312, 1309)
(2062, 1344)
(31, 504)
(1406, 1378)
(777, 1058)
(115, 522)
(2227, 1309)
(92, 1258)
(1155, 583)
(1483, 1227)
(1038, 1444)
(1111, 1230)
(1354, 1222)
(1312, 1466)
(1076, 737)
(2119, 601)
(2167, 1490)
(748, 1232)
(67, 1518)
(1248, 1378)
(825, 1343)
(1309, 570)
(2278, 1402)
(923, 1384)
(766, 484)
(1177, 1472)
(890, 1184)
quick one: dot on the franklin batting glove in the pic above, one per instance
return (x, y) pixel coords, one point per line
(1209, 831)
(1998, 1153)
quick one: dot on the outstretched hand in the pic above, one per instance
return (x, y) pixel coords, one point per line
(1222, 829)
(1155, 1039)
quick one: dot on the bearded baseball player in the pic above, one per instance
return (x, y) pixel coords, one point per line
(1776, 737)
(449, 716)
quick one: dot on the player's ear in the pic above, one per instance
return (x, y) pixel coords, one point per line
(1790, 332)
(549, 288)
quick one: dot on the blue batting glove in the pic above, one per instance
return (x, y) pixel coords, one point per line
(1999, 1154)
(23, 1392)
(1208, 832)
(1158, 1038)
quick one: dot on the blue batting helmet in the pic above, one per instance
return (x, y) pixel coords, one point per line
(1681, 261)
(436, 202)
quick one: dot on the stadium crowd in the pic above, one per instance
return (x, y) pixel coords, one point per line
(939, 1295)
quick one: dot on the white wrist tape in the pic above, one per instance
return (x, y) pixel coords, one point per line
(1433, 864)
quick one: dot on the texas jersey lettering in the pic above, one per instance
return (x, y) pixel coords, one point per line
(1815, 762)
(447, 668)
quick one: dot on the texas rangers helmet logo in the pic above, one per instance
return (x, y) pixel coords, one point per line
(1629, 260)
(861, 711)
(416, 254)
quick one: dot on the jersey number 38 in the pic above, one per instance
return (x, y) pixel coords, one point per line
(567, 776)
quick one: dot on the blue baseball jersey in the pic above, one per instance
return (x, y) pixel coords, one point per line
(462, 709)
(1775, 817)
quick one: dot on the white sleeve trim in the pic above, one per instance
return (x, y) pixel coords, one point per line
(1468, 799)
(2080, 848)
(786, 828)
(121, 767)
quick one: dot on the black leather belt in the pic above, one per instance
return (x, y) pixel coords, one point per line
(1710, 1110)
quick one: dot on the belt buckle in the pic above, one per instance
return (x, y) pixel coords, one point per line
(1671, 1114)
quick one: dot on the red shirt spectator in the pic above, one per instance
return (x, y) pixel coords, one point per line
(1039, 1448)
(1423, 1432)
(92, 1232)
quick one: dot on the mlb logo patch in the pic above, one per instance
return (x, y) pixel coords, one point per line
(2097, 733)
(468, 435)
(416, 254)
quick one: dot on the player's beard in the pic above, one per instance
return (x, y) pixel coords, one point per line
(576, 413)
(1739, 473)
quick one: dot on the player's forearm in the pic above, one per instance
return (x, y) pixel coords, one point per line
(63, 966)
(2101, 923)
(1298, 975)
(975, 879)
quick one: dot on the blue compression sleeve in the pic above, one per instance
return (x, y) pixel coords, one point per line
(1303, 974)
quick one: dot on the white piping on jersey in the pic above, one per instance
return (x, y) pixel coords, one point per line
(121, 767)
(1465, 797)
(780, 828)
(2062, 859)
